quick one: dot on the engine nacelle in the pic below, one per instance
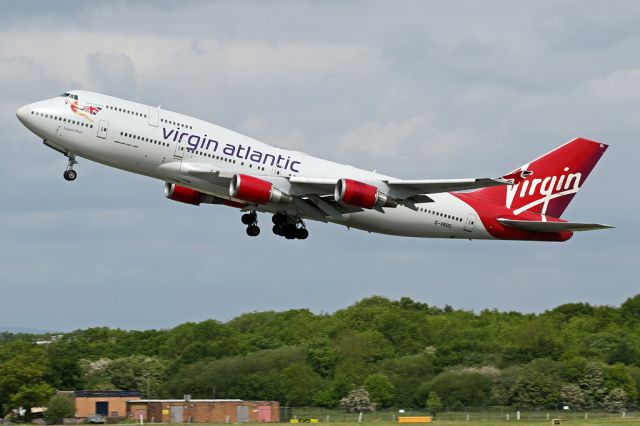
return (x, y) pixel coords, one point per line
(256, 190)
(362, 194)
(183, 194)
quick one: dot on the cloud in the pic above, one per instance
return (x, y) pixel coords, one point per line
(618, 86)
(383, 140)
(414, 89)
(111, 70)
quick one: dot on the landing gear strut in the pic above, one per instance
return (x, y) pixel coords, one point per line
(289, 227)
(70, 174)
(251, 220)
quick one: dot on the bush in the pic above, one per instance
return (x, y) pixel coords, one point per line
(59, 407)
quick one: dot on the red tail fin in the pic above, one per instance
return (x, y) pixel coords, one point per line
(555, 179)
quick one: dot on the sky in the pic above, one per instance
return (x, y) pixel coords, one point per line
(414, 89)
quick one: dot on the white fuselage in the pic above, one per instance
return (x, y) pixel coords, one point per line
(158, 143)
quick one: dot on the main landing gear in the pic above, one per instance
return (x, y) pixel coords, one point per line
(70, 174)
(251, 220)
(289, 227)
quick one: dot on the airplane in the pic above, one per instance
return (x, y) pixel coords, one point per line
(202, 163)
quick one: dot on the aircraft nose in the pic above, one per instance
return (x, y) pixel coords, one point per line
(22, 113)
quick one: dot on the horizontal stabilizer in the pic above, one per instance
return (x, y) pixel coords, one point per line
(537, 226)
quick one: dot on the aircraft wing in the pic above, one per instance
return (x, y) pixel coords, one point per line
(397, 188)
(538, 226)
(318, 193)
(402, 189)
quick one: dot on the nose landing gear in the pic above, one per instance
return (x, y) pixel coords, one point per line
(70, 174)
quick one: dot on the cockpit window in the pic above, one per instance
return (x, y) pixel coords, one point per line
(69, 95)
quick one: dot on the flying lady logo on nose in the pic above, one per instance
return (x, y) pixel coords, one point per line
(77, 109)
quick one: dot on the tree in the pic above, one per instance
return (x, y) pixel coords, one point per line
(381, 389)
(534, 390)
(22, 365)
(433, 404)
(573, 396)
(357, 401)
(330, 396)
(322, 355)
(458, 389)
(615, 401)
(299, 384)
(94, 374)
(59, 407)
(630, 309)
(29, 396)
(592, 383)
(137, 372)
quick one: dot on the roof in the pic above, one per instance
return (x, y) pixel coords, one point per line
(106, 393)
(183, 400)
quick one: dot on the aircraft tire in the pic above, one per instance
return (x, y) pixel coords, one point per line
(279, 219)
(302, 234)
(70, 175)
(248, 218)
(253, 231)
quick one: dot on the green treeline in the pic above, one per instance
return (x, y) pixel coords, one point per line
(403, 353)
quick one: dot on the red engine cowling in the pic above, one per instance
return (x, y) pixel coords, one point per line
(256, 190)
(183, 194)
(361, 194)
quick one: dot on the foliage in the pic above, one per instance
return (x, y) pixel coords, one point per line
(434, 403)
(615, 401)
(572, 396)
(358, 401)
(59, 407)
(400, 351)
(29, 396)
(381, 390)
(459, 389)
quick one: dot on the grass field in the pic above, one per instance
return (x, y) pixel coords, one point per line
(486, 416)
(597, 422)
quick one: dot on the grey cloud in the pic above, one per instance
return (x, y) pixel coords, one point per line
(414, 89)
(112, 73)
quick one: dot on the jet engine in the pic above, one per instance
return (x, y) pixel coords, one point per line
(256, 190)
(183, 194)
(361, 194)
(191, 196)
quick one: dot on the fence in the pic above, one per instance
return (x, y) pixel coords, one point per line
(305, 414)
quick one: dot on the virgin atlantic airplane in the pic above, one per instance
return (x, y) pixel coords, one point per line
(202, 163)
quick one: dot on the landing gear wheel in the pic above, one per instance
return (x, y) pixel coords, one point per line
(277, 229)
(279, 219)
(289, 231)
(253, 230)
(249, 218)
(70, 175)
(302, 233)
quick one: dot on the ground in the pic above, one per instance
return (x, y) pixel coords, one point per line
(597, 422)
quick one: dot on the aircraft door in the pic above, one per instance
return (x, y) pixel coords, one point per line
(154, 117)
(179, 152)
(103, 128)
(471, 221)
